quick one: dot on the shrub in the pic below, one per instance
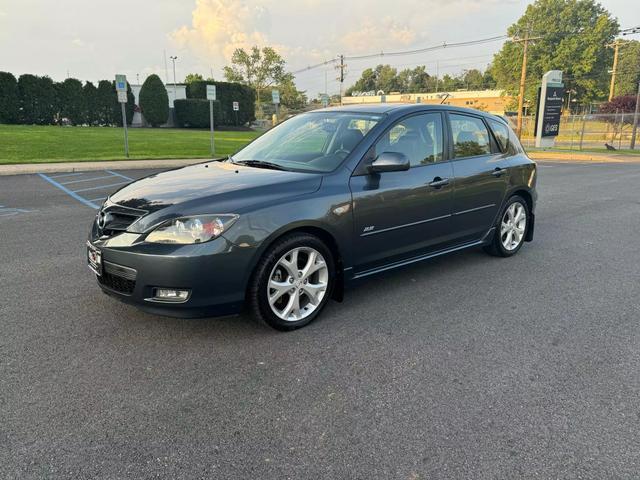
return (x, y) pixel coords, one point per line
(37, 99)
(226, 94)
(154, 101)
(8, 98)
(194, 112)
(70, 100)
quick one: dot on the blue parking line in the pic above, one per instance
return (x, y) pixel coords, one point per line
(71, 193)
(119, 175)
(99, 187)
(87, 179)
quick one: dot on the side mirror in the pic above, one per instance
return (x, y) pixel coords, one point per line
(389, 162)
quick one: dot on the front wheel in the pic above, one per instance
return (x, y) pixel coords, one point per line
(511, 229)
(292, 282)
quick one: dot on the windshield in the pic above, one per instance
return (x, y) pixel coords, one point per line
(314, 141)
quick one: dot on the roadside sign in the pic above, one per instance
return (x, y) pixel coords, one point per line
(275, 96)
(325, 99)
(236, 106)
(121, 89)
(211, 92)
(121, 83)
(549, 109)
(552, 111)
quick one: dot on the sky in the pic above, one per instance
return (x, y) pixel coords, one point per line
(92, 39)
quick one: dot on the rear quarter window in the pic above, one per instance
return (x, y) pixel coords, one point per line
(501, 132)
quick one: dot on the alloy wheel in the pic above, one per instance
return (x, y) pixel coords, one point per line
(297, 284)
(513, 226)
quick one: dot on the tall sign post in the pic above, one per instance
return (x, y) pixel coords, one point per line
(211, 96)
(275, 98)
(550, 101)
(121, 89)
(236, 107)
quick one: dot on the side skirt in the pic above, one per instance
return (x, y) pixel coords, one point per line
(483, 241)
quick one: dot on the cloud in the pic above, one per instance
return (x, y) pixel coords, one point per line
(218, 27)
(375, 36)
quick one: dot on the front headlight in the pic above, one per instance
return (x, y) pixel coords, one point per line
(196, 229)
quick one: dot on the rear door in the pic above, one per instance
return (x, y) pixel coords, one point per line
(481, 176)
(401, 214)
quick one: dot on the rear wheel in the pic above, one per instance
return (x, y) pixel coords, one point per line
(292, 282)
(511, 229)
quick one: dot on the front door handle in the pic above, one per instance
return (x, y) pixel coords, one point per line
(498, 172)
(439, 182)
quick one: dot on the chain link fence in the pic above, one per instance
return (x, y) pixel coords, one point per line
(586, 132)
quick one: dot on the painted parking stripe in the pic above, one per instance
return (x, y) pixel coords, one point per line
(99, 187)
(119, 175)
(71, 193)
(87, 179)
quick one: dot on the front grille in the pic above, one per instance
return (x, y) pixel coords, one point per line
(117, 218)
(118, 278)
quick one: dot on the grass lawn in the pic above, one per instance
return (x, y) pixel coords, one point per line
(35, 144)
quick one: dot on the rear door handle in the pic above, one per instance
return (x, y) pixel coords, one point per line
(498, 172)
(439, 182)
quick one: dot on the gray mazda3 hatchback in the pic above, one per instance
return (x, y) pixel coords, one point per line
(316, 203)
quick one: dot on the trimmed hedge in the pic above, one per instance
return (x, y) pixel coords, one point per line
(194, 113)
(154, 101)
(226, 94)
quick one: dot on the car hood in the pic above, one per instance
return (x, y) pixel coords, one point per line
(212, 187)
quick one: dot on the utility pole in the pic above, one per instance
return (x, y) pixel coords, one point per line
(341, 76)
(635, 120)
(523, 80)
(612, 87)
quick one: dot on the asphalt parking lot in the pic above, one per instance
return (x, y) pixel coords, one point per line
(463, 367)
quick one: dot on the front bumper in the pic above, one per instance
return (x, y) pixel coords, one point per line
(214, 272)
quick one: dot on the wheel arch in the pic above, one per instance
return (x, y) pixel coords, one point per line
(528, 197)
(319, 231)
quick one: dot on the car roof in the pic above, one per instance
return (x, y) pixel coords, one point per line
(385, 108)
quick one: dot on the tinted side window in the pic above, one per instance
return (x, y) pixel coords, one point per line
(501, 132)
(418, 137)
(470, 136)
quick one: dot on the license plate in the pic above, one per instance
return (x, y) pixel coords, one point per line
(94, 259)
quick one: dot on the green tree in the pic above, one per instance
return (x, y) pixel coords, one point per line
(573, 38)
(154, 101)
(70, 100)
(628, 74)
(259, 69)
(104, 102)
(37, 99)
(90, 112)
(383, 77)
(193, 77)
(9, 102)
(473, 79)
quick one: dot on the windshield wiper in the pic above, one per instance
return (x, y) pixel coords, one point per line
(260, 164)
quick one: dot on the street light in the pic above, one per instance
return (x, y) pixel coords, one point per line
(175, 91)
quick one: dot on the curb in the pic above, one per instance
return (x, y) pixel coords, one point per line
(582, 157)
(70, 167)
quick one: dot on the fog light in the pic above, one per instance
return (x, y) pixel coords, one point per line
(171, 295)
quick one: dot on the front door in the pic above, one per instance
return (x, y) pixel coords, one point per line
(398, 215)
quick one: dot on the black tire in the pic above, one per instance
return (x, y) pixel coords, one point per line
(496, 248)
(257, 293)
